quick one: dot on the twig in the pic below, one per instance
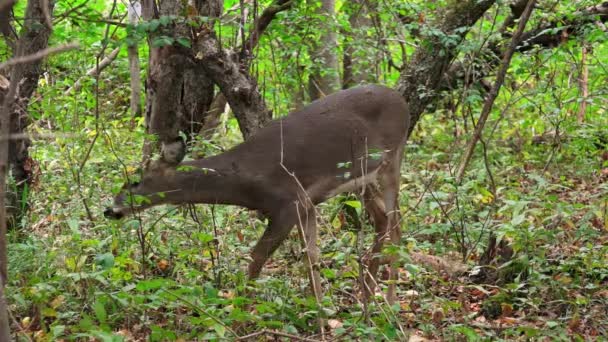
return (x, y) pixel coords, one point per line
(38, 55)
(94, 71)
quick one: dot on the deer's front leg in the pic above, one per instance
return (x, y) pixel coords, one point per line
(276, 232)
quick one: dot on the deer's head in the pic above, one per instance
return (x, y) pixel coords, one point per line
(151, 189)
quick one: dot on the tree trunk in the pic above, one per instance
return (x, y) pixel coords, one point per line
(356, 64)
(134, 13)
(325, 79)
(34, 37)
(4, 135)
(178, 93)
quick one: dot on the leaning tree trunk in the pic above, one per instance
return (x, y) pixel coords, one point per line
(421, 78)
(325, 79)
(33, 38)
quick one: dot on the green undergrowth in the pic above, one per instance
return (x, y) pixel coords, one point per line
(178, 272)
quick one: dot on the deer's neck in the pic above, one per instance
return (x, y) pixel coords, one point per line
(212, 181)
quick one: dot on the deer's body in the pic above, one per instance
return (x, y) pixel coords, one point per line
(348, 141)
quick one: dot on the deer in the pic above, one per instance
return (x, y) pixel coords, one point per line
(349, 141)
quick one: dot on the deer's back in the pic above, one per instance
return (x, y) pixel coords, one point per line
(326, 141)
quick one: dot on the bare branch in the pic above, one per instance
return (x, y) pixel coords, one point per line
(38, 55)
(240, 89)
(489, 101)
(260, 25)
(95, 70)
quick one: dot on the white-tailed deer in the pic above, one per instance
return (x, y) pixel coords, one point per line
(349, 141)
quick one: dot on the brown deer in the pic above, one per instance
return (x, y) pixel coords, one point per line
(349, 141)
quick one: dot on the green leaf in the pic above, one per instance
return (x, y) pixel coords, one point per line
(185, 42)
(151, 284)
(353, 204)
(100, 311)
(105, 260)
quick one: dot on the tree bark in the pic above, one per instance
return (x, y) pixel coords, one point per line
(33, 38)
(324, 78)
(236, 84)
(5, 91)
(178, 93)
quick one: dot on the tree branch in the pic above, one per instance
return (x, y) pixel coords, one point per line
(557, 32)
(94, 71)
(420, 81)
(239, 88)
(260, 25)
(550, 36)
(491, 97)
(38, 55)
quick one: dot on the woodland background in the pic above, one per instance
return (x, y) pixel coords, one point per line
(504, 186)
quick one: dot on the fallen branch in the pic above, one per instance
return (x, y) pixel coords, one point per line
(38, 55)
(95, 70)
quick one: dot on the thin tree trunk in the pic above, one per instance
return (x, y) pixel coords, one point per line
(584, 84)
(325, 79)
(5, 107)
(33, 38)
(491, 97)
(178, 93)
(356, 70)
(134, 13)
